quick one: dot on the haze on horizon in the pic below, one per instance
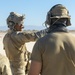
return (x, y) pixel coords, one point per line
(35, 10)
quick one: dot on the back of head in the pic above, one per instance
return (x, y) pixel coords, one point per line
(14, 18)
(57, 12)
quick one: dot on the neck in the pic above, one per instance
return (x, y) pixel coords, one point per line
(58, 27)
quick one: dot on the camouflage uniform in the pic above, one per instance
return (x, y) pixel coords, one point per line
(4, 66)
(14, 44)
(56, 50)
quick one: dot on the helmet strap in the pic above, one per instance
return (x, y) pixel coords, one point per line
(55, 21)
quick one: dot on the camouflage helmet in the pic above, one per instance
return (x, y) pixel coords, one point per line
(57, 11)
(14, 18)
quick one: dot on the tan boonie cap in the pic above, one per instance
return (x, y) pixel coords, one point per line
(14, 18)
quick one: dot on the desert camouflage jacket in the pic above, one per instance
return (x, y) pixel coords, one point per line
(14, 43)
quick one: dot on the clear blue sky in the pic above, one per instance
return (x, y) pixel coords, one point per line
(35, 10)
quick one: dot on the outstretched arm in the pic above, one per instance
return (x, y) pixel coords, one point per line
(33, 36)
(41, 33)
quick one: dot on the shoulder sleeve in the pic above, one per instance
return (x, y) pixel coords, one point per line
(23, 37)
(37, 52)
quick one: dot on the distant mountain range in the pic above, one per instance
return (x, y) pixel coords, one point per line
(4, 28)
(29, 27)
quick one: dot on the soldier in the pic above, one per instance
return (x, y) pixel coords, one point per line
(14, 42)
(4, 66)
(54, 54)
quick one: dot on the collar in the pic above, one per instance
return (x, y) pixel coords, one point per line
(58, 28)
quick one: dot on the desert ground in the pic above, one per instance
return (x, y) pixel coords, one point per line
(29, 45)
